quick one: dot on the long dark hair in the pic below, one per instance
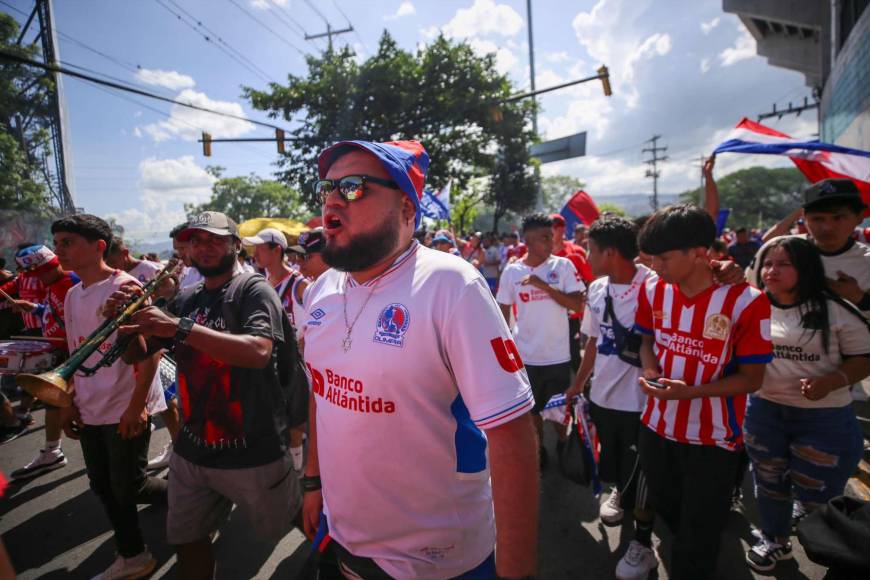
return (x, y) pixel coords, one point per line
(812, 284)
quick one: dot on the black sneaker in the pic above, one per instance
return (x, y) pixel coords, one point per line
(7, 434)
(766, 553)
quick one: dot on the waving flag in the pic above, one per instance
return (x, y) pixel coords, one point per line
(436, 205)
(579, 209)
(815, 159)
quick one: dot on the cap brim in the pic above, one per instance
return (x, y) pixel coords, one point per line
(253, 240)
(846, 197)
(183, 235)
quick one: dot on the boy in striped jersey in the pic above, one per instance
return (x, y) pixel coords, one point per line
(705, 348)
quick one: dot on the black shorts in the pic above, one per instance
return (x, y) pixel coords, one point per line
(546, 381)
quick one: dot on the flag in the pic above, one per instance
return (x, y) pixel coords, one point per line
(815, 159)
(721, 220)
(579, 209)
(436, 205)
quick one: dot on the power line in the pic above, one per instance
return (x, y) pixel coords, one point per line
(268, 28)
(317, 10)
(654, 171)
(355, 31)
(121, 87)
(194, 24)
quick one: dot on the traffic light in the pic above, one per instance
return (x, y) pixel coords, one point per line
(279, 137)
(605, 80)
(206, 144)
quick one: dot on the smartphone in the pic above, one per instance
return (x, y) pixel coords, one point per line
(656, 384)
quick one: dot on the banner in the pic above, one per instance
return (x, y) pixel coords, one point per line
(579, 209)
(816, 160)
(436, 205)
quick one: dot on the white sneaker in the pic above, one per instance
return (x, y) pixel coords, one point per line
(637, 563)
(129, 568)
(162, 460)
(46, 460)
(610, 512)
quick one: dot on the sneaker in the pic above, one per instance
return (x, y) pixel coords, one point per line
(637, 563)
(129, 568)
(798, 512)
(162, 460)
(45, 461)
(7, 434)
(25, 417)
(766, 553)
(610, 511)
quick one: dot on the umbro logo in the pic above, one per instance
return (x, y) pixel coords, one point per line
(318, 314)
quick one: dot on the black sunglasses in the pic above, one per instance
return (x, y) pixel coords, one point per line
(350, 187)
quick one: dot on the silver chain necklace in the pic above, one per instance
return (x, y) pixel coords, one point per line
(347, 341)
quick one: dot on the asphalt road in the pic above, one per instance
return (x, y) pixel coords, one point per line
(54, 527)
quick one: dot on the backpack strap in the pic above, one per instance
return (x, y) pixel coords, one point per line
(232, 303)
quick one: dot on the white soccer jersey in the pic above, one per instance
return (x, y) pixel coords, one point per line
(541, 329)
(145, 271)
(401, 415)
(614, 384)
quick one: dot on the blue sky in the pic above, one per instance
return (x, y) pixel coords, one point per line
(682, 69)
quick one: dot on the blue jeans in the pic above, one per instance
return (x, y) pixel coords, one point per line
(806, 454)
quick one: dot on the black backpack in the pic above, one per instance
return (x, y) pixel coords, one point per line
(291, 375)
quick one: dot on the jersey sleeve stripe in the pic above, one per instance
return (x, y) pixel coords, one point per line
(755, 358)
(643, 330)
(504, 415)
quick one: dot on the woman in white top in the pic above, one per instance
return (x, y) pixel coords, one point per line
(800, 428)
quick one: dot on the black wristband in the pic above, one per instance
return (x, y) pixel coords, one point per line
(311, 483)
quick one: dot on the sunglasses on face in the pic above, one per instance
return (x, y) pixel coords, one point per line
(350, 187)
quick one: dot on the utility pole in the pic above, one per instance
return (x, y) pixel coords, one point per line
(329, 33)
(654, 169)
(701, 199)
(539, 203)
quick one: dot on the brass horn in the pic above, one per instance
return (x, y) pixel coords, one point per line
(52, 386)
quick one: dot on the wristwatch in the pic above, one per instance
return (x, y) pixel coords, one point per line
(311, 483)
(185, 325)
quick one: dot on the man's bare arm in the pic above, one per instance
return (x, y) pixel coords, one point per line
(513, 455)
(506, 312)
(783, 226)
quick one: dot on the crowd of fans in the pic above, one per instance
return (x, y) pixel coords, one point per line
(700, 352)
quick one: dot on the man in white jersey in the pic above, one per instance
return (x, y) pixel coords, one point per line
(420, 435)
(543, 287)
(616, 401)
(112, 408)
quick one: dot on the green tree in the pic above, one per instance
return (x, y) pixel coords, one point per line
(443, 95)
(556, 190)
(24, 118)
(612, 208)
(757, 195)
(247, 197)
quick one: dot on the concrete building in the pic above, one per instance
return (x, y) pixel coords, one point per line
(829, 42)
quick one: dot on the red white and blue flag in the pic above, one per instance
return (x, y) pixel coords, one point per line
(815, 159)
(580, 209)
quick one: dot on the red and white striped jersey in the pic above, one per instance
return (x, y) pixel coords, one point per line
(699, 340)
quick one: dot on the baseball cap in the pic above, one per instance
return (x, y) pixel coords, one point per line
(213, 222)
(266, 236)
(832, 189)
(442, 239)
(406, 161)
(558, 220)
(309, 242)
(34, 259)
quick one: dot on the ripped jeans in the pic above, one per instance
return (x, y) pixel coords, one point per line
(805, 454)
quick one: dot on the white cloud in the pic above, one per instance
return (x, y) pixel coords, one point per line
(483, 18)
(169, 79)
(264, 4)
(187, 123)
(164, 185)
(429, 33)
(610, 36)
(707, 27)
(505, 60)
(705, 65)
(557, 57)
(406, 8)
(744, 47)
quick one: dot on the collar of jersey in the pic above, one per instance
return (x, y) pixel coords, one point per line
(397, 263)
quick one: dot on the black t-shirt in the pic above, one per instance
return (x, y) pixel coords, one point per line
(231, 417)
(743, 253)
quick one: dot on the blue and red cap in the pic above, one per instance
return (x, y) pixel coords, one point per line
(34, 259)
(406, 161)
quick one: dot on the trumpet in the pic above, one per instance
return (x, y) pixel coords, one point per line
(52, 386)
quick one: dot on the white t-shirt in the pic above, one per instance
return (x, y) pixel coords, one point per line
(798, 354)
(614, 384)
(854, 261)
(189, 277)
(103, 397)
(541, 330)
(401, 415)
(145, 271)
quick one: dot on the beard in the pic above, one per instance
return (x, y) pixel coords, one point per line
(225, 265)
(364, 250)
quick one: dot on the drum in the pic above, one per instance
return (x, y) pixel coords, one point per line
(27, 356)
